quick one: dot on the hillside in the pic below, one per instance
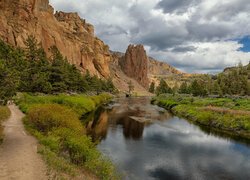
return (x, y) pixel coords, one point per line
(73, 36)
(76, 40)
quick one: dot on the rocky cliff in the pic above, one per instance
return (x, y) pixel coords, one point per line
(73, 36)
(157, 70)
(135, 64)
(161, 68)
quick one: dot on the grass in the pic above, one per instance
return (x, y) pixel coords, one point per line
(232, 115)
(54, 121)
(4, 114)
(81, 104)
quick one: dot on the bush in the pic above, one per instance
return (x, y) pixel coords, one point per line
(67, 144)
(4, 114)
(51, 116)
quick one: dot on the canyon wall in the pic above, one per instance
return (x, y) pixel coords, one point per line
(73, 36)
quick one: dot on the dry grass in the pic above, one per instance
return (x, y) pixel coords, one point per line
(226, 110)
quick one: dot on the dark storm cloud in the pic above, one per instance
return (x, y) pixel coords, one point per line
(176, 6)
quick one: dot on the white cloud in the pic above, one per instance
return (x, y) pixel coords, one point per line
(207, 56)
(199, 28)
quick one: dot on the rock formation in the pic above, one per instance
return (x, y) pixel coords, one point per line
(72, 35)
(135, 64)
(161, 68)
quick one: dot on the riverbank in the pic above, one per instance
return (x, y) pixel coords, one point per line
(229, 115)
(55, 121)
(4, 115)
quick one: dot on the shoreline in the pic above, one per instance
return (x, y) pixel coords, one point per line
(223, 122)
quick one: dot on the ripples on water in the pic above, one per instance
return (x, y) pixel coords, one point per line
(146, 142)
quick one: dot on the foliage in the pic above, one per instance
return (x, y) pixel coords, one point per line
(163, 88)
(61, 133)
(184, 89)
(233, 81)
(4, 114)
(198, 88)
(30, 70)
(47, 117)
(222, 113)
(152, 87)
(81, 104)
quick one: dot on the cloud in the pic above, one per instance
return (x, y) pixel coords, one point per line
(174, 6)
(206, 57)
(173, 31)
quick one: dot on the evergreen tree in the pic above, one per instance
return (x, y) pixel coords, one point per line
(198, 88)
(163, 88)
(8, 83)
(184, 89)
(152, 87)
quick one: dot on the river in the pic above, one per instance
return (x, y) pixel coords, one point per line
(147, 143)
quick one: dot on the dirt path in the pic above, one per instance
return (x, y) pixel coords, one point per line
(18, 153)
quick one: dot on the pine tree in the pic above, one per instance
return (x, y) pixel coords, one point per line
(184, 88)
(152, 87)
(163, 88)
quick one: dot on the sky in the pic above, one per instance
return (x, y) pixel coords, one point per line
(195, 36)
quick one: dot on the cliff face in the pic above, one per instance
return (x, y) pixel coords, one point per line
(72, 35)
(135, 64)
(161, 68)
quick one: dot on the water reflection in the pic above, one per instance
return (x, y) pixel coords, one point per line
(147, 142)
(97, 125)
(132, 119)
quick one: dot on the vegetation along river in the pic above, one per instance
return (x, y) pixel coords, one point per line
(147, 142)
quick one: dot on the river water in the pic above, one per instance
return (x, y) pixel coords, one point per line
(147, 142)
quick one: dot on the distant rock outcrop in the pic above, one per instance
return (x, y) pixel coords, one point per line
(135, 64)
(161, 68)
(72, 35)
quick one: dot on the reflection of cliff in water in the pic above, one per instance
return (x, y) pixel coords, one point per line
(121, 115)
(97, 125)
(131, 128)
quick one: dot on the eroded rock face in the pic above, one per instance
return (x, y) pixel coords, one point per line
(72, 35)
(135, 64)
(161, 68)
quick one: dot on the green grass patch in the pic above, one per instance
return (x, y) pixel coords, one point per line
(81, 104)
(221, 113)
(4, 114)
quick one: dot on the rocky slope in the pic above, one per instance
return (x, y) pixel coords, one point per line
(73, 36)
(161, 68)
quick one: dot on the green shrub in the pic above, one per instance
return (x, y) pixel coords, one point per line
(50, 116)
(80, 150)
(4, 114)
(54, 120)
